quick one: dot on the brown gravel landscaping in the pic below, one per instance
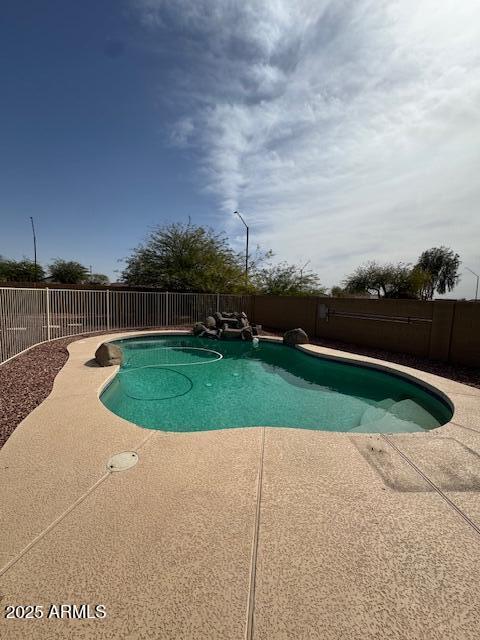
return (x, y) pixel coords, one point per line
(465, 375)
(27, 380)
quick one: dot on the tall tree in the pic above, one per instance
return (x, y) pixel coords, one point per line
(186, 257)
(337, 292)
(387, 281)
(287, 280)
(420, 283)
(441, 265)
(20, 271)
(97, 278)
(340, 292)
(67, 271)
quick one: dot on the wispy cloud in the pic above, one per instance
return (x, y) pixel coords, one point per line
(345, 130)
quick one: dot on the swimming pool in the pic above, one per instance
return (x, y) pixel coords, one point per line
(185, 383)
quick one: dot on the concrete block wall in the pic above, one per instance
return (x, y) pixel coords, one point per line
(394, 325)
(285, 312)
(465, 336)
(445, 330)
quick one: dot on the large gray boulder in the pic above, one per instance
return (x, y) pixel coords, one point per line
(212, 334)
(210, 322)
(108, 355)
(199, 329)
(295, 336)
(247, 333)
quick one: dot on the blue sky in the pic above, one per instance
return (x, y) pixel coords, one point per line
(344, 131)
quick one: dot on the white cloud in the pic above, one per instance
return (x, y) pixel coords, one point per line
(181, 132)
(345, 131)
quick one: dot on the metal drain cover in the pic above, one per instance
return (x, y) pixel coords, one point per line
(122, 461)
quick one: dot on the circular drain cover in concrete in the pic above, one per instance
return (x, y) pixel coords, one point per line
(122, 461)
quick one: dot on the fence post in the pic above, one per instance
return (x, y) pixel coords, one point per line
(167, 323)
(218, 302)
(47, 293)
(107, 308)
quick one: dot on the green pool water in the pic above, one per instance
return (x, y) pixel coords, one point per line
(184, 383)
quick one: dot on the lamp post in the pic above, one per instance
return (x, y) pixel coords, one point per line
(246, 249)
(477, 277)
(34, 248)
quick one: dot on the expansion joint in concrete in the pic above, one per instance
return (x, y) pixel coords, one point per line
(450, 503)
(53, 524)
(457, 424)
(256, 529)
(63, 515)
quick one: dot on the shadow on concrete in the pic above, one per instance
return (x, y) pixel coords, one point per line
(92, 363)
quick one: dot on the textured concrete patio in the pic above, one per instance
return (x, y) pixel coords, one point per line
(245, 533)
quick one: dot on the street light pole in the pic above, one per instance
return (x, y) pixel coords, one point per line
(478, 278)
(246, 249)
(34, 248)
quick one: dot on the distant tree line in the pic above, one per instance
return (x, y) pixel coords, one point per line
(436, 271)
(186, 257)
(191, 258)
(59, 271)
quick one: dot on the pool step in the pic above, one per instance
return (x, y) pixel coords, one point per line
(387, 424)
(374, 413)
(411, 412)
(386, 404)
(394, 417)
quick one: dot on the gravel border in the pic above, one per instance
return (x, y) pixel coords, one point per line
(465, 375)
(27, 380)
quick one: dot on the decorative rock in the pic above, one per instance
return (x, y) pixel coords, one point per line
(225, 324)
(247, 334)
(198, 328)
(232, 333)
(230, 322)
(295, 336)
(108, 355)
(210, 322)
(213, 334)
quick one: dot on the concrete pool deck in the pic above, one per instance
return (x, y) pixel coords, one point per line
(246, 533)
